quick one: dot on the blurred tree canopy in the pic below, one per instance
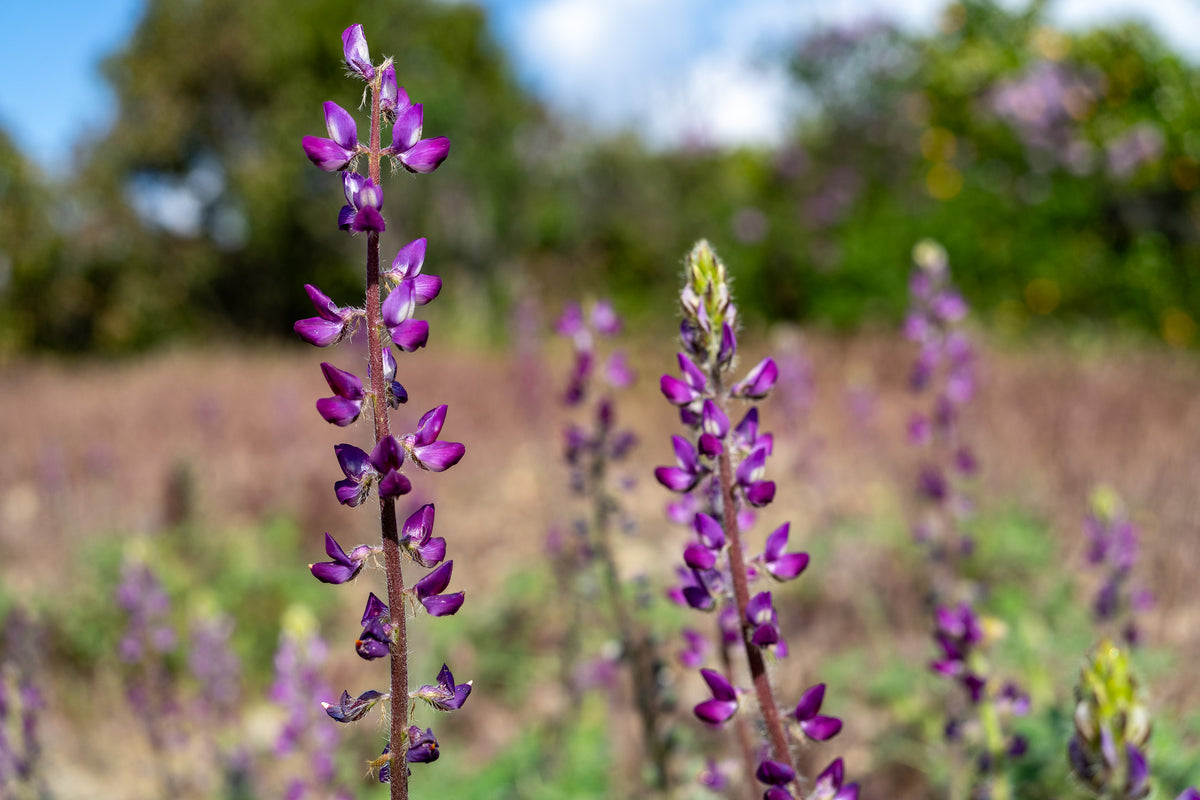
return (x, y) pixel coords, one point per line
(1059, 169)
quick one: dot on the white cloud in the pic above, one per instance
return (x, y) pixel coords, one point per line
(675, 70)
(681, 71)
(1177, 21)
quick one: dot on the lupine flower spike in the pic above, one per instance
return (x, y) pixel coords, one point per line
(393, 297)
(595, 446)
(720, 470)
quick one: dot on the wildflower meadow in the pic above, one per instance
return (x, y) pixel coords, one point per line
(856, 463)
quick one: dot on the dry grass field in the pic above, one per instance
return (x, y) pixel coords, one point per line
(95, 450)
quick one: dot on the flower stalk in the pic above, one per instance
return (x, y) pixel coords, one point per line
(720, 472)
(385, 625)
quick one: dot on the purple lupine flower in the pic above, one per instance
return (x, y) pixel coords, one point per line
(336, 152)
(774, 773)
(692, 591)
(343, 567)
(414, 153)
(760, 614)
(710, 532)
(816, 726)
(376, 634)
(141, 595)
(687, 471)
(300, 691)
(1189, 793)
(713, 777)
(346, 404)
(424, 448)
(350, 709)
(332, 323)
(386, 458)
(356, 465)
(418, 541)
(617, 372)
(406, 266)
(715, 425)
(724, 701)
(364, 205)
(759, 382)
(407, 333)
(392, 97)
(696, 647)
(429, 592)
(828, 785)
(605, 319)
(397, 395)
(780, 565)
(354, 48)
(758, 492)
(446, 696)
(686, 393)
(422, 746)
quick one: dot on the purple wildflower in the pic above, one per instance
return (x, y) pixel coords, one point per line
(422, 746)
(696, 648)
(446, 696)
(354, 48)
(828, 785)
(417, 538)
(396, 394)
(332, 323)
(407, 333)
(349, 709)
(687, 471)
(759, 382)
(386, 459)
(336, 152)
(816, 726)
(414, 153)
(406, 267)
(780, 565)
(356, 466)
(429, 592)
(424, 448)
(724, 701)
(364, 205)
(346, 404)
(343, 567)
(376, 634)
(764, 622)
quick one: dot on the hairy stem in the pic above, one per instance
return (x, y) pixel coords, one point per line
(635, 644)
(741, 726)
(741, 593)
(398, 773)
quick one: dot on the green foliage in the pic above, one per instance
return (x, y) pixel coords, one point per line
(904, 137)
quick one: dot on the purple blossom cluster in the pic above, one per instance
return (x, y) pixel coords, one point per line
(587, 562)
(300, 690)
(393, 296)
(1045, 106)
(720, 474)
(21, 704)
(945, 369)
(1112, 550)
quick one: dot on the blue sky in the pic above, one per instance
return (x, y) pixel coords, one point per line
(697, 63)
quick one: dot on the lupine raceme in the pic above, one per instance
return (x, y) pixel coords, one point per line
(593, 450)
(387, 319)
(977, 721)
(720, 473)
